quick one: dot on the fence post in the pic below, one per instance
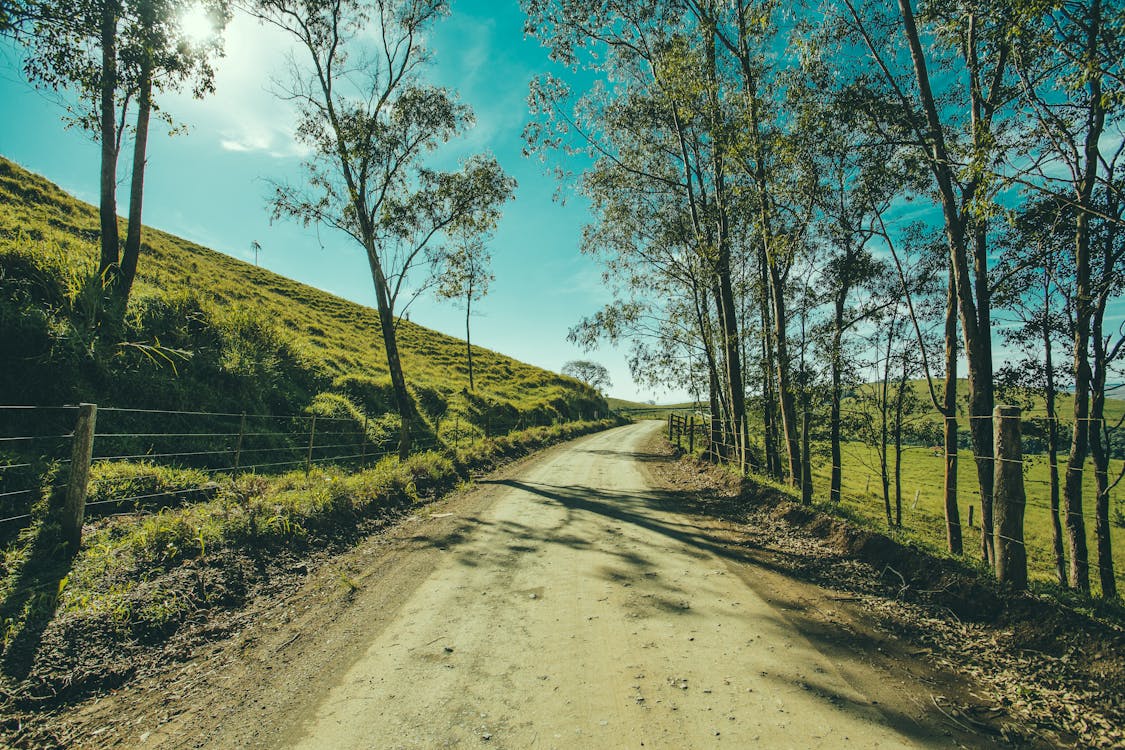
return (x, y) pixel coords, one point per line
(670, 427)
(312, 437)
(1008, 498)
(691, 434)
(74, 507)
(238, 447)
(363, 444)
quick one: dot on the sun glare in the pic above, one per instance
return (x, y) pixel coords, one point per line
(196, 24)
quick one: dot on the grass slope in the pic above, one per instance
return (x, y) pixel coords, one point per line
(326, 338)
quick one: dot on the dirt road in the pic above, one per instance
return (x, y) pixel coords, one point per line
(565, 604)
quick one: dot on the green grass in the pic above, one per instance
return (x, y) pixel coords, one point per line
(236, 321)
(923, 472)
(1033, 404)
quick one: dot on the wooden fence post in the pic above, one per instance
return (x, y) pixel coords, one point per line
(1008, 499)
(74, 507)
(691, 434)
(670, 416)
(312, 437)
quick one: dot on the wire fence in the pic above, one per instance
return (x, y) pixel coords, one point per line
(145, 459)
(915, 494)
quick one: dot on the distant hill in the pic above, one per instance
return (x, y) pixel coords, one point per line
(207, 331)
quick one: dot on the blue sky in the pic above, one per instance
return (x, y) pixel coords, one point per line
(210, 185)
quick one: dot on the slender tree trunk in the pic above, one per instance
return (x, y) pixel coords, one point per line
(975, 324)
(1099, 432)
(899, 395)
(110, 249)
(806, 453)
(1052, 440)
(1079, 445)
(729, 329)
(1079, 573)
(1100, 453)
(784, 386)
(132, 250)
(769, 399)
(715, 449)
(884, 428)
(981, 398)
(714, 388)
(468, 338)
(952, 509)
(834, 415)
(403, 403)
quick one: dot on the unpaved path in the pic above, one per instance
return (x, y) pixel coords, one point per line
(566, 604)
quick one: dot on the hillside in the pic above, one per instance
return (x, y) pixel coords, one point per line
(207, 331)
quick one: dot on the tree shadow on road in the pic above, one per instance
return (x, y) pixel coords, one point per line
(702, 524)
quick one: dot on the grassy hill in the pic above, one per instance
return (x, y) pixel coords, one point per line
(205, 331)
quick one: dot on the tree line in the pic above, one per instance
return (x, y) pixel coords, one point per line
(364, 109)
(793, 200)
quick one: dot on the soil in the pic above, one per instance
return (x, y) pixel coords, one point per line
(607, 593)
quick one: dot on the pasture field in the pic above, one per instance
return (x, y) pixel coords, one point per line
(922, 473)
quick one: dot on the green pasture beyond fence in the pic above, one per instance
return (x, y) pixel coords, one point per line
(923, 493)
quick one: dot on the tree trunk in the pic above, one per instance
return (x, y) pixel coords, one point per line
(952, 509)
(884, 428)
(834, 415)
(769, 400)
(390, 342)
(729, 329)
(468, 339)
(898, 443)
(107, 209)
(784, 386)
(728, 317)
(132, 250)
(1099, 431)
(975, 324)
(714, 448)
(1052, 440)
(806, 453)
(1100, 452)
(981, 398)
(1079, 445)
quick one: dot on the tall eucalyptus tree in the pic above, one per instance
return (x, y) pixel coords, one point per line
(368, 118)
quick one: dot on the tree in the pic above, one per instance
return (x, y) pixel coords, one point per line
(368, 119)
(465, 276)
(1070, 67)
(915, 96)
(1034, 274)
(591, 373)
(114, 54)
